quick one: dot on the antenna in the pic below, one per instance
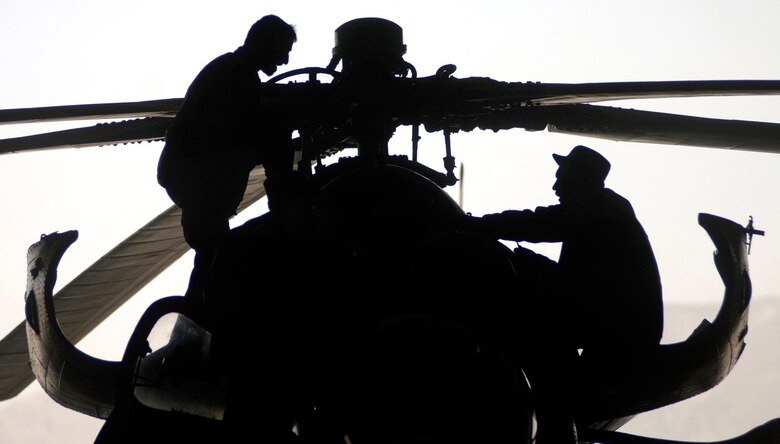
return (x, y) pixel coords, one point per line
(460, 185)
(750, 232)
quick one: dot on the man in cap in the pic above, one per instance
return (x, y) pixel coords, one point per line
(603, 296)
(604, 293)
(224, 129)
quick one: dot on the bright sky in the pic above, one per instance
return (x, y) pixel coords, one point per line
(55, 53)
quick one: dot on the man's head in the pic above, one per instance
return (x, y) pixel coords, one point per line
(581, 172)
(269, 42)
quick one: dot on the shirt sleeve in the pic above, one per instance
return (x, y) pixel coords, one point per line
(544, 224)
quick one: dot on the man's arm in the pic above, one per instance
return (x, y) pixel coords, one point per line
(545, 224)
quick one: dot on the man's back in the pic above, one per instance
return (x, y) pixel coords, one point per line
(220, 108)
(610, 272)
(609, 279)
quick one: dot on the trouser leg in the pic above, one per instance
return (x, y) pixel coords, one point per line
(203, 232)
(547, 352)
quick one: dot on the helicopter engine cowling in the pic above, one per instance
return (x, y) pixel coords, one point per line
(325, 309)
(383, 208)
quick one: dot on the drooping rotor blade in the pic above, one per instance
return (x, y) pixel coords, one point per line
(103, 287)
(611, 388)
(768, 432)
(152, 108)
(129, 131)
(651, 127)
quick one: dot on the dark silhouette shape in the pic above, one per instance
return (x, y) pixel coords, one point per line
(391, 326)
(603, 296)
(222, 131)
(607, 291)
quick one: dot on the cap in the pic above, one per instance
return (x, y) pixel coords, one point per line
(585, 162)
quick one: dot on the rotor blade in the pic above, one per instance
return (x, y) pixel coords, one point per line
(627, 125)
(152, 108)
(103, 287)
(129, 131)
(563, 93)
(671, 129)
(532, 93)
(766, 433)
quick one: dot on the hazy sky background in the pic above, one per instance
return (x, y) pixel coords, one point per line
(56, 53)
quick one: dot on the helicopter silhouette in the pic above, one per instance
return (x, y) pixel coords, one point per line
(441, 103)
